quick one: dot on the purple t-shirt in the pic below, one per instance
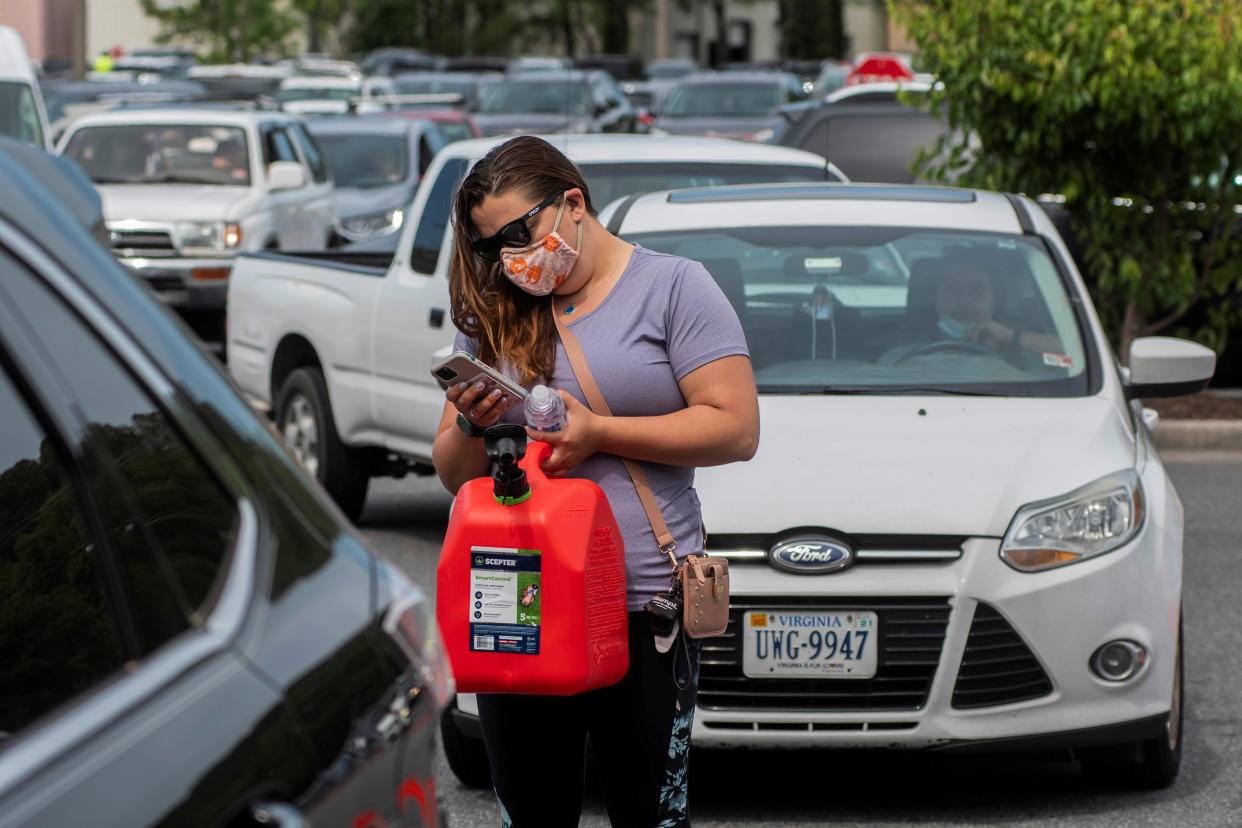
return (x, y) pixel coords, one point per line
(663, 318)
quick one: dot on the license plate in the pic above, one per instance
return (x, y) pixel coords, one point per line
(784, 644)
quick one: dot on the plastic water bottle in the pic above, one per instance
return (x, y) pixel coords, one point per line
(545, 410)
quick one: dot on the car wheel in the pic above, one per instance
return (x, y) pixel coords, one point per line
(466, 755)
(1155, 762)
(304, 420)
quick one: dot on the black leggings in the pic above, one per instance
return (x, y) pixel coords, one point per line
(640, 736)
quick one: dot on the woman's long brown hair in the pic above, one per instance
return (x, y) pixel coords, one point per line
(511, 326)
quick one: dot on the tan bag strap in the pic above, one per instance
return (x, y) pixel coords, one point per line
(577, 361)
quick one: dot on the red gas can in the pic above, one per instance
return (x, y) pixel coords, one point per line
(531, 589)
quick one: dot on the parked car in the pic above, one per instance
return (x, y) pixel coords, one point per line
(186, 190)
(973, 546)
(469, 85)
(239, 81)
(376, 165)
(67, 101)
(374, 407)
(555, 101)
(743, 105)
(392, 61)
(874, 140)
(22, 115)
(193, 635)
(329, 94)
(456, 124)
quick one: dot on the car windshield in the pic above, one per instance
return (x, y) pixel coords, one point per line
(711, 100)
(613, 181)
(455, 130)
(162, 153)
(317, 93)
(365, 160)
(887, 310)
(537, 96)
(19, 115)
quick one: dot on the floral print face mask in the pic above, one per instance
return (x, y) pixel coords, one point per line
(541, 267)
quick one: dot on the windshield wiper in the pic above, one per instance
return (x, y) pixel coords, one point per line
(913, 389)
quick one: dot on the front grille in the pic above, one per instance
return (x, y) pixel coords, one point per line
(910, 633)
(997, 666)
(149, 243)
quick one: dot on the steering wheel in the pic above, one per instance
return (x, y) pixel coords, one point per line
(958, 345)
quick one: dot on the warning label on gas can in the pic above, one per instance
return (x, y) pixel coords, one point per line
(504, 600)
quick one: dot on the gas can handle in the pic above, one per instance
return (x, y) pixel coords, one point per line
(536, 453)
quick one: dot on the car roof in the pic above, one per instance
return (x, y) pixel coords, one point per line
(845, 93)
(874, 205)
(731, 78)
(179, 115)
(625, 149)
(321, 82)
(553, 75)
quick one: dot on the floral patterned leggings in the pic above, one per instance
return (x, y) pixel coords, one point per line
(639, 731)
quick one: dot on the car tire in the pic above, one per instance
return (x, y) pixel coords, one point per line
(304, 419)
(466, 755)
(1152, 763)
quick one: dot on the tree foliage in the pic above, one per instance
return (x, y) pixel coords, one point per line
(226, 30)
(1130, 110)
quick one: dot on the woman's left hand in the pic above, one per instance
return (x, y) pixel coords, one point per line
(577, 441)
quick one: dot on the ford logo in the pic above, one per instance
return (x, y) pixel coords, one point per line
(811, 556)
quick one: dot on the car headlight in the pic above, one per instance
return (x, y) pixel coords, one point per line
(1098, 518)
(208, 237)
(360, 228)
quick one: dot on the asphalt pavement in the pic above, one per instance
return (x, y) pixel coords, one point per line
(406, 519)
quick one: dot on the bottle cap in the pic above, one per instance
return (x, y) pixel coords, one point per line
(540, 393)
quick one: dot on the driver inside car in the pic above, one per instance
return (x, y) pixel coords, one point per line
(956, 302)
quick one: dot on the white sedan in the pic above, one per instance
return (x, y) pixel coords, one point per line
(956, 534)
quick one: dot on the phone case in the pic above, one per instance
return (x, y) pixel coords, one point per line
(467, 369)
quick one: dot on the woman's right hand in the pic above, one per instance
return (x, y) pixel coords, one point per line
(481, 407)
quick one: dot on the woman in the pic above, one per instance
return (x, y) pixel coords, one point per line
(668, 354)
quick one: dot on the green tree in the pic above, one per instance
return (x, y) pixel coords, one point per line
(1130, 110)
(321, 17)
(230, 30)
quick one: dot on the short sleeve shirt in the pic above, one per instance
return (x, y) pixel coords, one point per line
(663, 318)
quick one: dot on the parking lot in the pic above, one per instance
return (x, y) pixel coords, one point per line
(405, 519)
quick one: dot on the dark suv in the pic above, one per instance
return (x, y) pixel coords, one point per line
(190, 632)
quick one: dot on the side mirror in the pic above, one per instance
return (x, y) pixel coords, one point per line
(1161, 366)
(286, 175)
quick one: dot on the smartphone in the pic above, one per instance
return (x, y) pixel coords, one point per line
(951, 328)
(459, 366)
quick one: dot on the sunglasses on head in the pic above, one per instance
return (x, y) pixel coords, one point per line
(514, 234)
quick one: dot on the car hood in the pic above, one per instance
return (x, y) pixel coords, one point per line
(528, 123)
(356, 201)
(912, 465)
(739, 128)
(172, 202)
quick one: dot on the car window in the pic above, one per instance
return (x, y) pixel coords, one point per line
(609, 182)
(277, 146)
(314, 158)
(162, 154)
(58, 634)
(571, 97)
(366, 160)
(19, 115)
(873, 147)
(431, 224)
(711, 100)
(425, 154)
(168, 523)
(870, 308)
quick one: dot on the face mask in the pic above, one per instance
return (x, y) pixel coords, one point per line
(541, 267)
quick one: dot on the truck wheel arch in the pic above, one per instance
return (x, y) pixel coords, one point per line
(294, 351)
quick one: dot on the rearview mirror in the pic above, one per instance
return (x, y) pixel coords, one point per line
(286, 175)
(1162, 366)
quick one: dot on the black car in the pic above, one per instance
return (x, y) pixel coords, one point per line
(875, 140)
(190, 632)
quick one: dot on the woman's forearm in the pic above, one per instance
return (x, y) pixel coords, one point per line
(701, 435)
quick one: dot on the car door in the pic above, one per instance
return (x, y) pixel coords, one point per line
(320, 196)
(412, 319)
(130, 567)
(289, 207)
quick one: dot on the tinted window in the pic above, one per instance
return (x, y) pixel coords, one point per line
(58, 636)
(167, 521)
(277, 146)
(430, 233)
(162, 153)
(319, 170)
(361, 160)
(873, 148)
(612, 181)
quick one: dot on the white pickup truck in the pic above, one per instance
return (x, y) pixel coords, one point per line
(338, 344)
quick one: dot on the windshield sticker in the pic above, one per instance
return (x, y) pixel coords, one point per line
(1058, 361)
